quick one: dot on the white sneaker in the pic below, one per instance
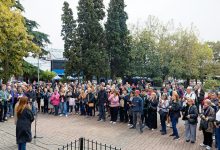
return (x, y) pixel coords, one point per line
(208, 148)
(202, 145)
(66, 115)
(111, 121)
(114, 123)
(61, 115)
(12, 116)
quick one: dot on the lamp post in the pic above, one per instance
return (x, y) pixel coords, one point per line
(38, 69)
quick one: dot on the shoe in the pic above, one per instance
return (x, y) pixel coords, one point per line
(99, 120)
(163, 133)
(12, 116)
(176, 138)
(66, 115)
(192, 142)
(213, 137)
(111, 121)
(172, 135)
(202, 145)
(168, 125)
(208, 148)
(187, 141)
(132, 127)
(61, 115)
(152, 129)
(129, 125)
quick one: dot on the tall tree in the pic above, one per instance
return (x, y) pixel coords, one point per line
(71, 48)
(117, 37)
(90, 34)
(15, 43)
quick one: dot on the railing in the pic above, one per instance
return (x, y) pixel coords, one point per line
(84, 144)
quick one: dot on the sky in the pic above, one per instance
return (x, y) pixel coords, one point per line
(204, 14)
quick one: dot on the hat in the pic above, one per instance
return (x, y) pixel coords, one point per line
(137, 92)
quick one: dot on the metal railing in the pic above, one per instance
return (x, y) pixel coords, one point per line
(85, 144)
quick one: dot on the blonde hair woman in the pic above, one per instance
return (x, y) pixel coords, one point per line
(23, 123)
(175, 114)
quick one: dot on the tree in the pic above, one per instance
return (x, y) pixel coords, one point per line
(15, 43)
(48, 75)
(90, 34)
(117, 37)
(71, 46)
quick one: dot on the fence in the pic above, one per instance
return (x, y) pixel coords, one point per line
(84, 144)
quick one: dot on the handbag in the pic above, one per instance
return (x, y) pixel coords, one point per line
(42, 102)
(203, 124)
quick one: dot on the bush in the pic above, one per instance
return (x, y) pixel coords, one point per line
(157, 81)
(211, 84)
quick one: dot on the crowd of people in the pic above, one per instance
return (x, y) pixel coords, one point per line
(137, 105)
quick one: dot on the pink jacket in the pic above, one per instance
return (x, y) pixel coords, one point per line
(55, 99)
(114, 100)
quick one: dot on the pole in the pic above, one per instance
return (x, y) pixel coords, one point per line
(38, 70)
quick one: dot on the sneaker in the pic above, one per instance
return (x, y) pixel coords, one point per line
(213, 137)
(111, 121)
(61, 115)
(132, 127)
(12, 116)
(152, 129)
(202, 145)
(192, 142)
(187, 141)
(66, 115)
(208, 148)
(176, 138)
(129, 125)
(163, 133)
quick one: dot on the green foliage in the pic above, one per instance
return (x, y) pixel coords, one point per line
(158, 81)
(91, 39)
(211, 84)
(117, 38)
(47, 75)
(15, 42)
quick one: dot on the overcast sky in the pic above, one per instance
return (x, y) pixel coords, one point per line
(204, 14)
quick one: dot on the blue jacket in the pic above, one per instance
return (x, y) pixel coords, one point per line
(137, 104)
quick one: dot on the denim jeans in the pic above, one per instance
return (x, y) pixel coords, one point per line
(63, 108)
(56, 107)
(33, 107)
(174, 122)
(101, 111)
(11, 110)
(163, 118)
(217, 133)
(22, 146)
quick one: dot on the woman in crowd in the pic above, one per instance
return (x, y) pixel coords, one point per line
(152, 112)
(114, 105)
(175, 114)
(23, 124)
(82, 102)
(39, 96)
(190, 115)
(55, 100)
(45, 97)
(207, 124)
(90, 102)
(163, 111)
(130, 112)
(63, 105)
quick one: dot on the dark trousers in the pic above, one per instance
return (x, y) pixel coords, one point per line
(46, 106)
(70, 108)
(207, 138)
(67, 107)
(137, 117)
(122, 114)
(22, 146)
(77, 108)
(1, 111)
(89, 111)
(114, 113)
(101, 111)
(217, 133)
(56, 110)
(163, 118)
(38, 104)
(5, 110)
(82, 109)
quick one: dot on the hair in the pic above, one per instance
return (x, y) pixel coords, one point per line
(208, 102)
(22, 105)
(176, 95)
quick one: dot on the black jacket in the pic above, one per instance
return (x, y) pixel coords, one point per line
(102, 97)
(193, 112)
(23, 126)
(31, 95)
(175, 109)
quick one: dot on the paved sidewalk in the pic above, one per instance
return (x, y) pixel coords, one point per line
(58, 131)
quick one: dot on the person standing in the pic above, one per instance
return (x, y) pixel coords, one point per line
(102, 99)
(4, 97)
(137, 108)
(31, 94)
(45, 97)
(23, 123)
(152, 112)
(90, 102)
(200, 94)
(190, 115)
(175, 114)
(114, 105)
(55, 100)
(207, 124)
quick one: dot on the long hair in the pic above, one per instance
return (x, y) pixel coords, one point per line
(22, 105)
